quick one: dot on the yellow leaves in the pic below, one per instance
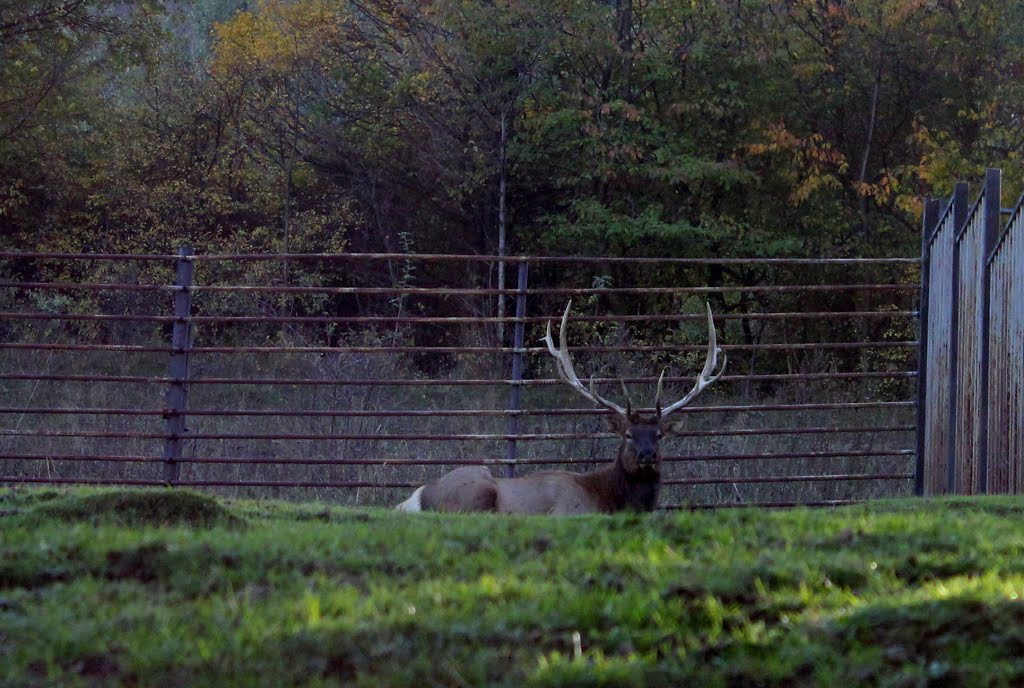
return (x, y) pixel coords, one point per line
(631, 112)
(811, 183)
(627, 152)
(942, 161)
(835, 10)
(11, 196)
(276, 36)
(421, 85)
(628, 111)
(810, 149)
(808, 70)
(810, 162)
(911, 204)
(884, 190)
(903, 11)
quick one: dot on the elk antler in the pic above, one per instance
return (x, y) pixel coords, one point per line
(705, 378)
(563, 363)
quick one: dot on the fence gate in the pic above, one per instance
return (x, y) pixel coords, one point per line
(972, 333)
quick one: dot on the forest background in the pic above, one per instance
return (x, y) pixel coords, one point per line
(704, 128)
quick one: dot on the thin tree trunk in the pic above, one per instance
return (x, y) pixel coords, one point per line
(286, 305)
(502, 222)
(625, 37)
(872, 117)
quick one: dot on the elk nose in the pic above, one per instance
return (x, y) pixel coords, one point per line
(647, 457)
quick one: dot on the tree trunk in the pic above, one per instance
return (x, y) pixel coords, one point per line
(502, 222)
(286, 221)
(872, 116)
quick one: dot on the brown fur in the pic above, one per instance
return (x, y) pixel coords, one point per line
(631, 482)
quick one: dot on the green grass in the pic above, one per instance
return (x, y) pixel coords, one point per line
(165, 588)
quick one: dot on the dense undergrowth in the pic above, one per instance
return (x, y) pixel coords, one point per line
(177, 588)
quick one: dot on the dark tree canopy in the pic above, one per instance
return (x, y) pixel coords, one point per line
(758, 127)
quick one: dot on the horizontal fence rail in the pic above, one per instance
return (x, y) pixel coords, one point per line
(456, 258)
(468, 461)
(130, 348)
(453, 437)
(209, 371)
(442, 412)
(475, 382)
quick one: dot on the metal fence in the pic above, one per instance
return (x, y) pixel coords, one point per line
(973, 374)
(353, 377)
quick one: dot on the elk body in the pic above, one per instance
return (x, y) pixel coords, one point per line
(631, 482)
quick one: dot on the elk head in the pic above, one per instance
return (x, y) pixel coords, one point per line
(641, 432)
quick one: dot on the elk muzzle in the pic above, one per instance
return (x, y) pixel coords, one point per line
(647, 458)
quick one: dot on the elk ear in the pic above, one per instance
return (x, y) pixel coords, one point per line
(618, 424)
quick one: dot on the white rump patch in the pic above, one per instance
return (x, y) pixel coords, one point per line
(413, 503)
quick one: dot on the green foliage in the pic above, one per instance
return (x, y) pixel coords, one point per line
(112, 588)
(701, 129)
(58, 111)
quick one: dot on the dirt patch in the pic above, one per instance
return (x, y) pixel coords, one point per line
(141, 564)
(97, 667)
(14, 576)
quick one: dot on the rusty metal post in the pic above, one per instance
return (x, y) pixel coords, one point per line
(177, 392)
(515, 393)
(990, 233)
(931, 217)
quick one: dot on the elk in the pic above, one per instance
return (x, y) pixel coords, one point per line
(630, 482)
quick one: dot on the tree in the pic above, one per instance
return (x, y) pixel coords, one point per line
(58, 60)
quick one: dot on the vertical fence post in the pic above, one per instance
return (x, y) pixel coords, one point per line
(959, 201)
(177, 392)
(990, 233)
(515, 393)
(931, 217)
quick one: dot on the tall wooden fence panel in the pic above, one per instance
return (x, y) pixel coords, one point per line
(1006, 359)
(936, 402)
(970, 305)
(973, 368)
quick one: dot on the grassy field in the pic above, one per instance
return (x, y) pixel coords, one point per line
(166, 588)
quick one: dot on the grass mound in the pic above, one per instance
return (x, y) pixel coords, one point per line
(157, 508)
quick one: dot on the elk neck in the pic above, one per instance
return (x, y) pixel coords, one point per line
(617, 489)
